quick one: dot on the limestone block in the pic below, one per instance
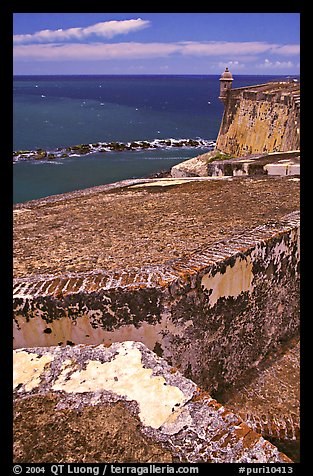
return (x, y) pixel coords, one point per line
(197, 166)
(283, 169)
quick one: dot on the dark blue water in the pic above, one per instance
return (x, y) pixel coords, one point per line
(60, 111)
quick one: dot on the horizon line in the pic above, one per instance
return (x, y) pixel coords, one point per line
(151, 74)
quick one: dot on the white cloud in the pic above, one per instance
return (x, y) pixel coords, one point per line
(231, 48)
(94, 51)
(275, 64)
(286, 50)
(235, 54)
(107, 29)
(217, 48)
(232, 65)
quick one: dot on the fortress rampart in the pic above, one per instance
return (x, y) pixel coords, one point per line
(208, 313)
(259, 119)
(134, 408)
(138, 303)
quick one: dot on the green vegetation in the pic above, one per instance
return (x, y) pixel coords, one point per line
(219, 156)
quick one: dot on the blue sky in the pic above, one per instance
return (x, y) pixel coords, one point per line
(156, 43)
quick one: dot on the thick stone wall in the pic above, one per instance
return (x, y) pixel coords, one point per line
(122, 404)
(213, 315)
(269, 398)
(260, 119)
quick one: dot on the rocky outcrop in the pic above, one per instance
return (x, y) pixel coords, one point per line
(84, 149)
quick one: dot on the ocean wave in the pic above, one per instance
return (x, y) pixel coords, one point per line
(172, 157)
(49, 156)
(50, 162)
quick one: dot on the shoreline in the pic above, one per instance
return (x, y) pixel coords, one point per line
(103, 147)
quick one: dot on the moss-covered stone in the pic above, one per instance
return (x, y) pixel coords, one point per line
(18, 152)
(219, 156)
(41, 154)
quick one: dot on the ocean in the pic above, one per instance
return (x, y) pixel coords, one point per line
(51, 112)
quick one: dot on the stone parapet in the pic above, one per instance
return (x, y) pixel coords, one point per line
(204, 165)
(208, 314)
(122, 403)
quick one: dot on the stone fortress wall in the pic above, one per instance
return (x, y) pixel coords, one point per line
(135, 408)
(259, 119)
(214, 314)
(259, 133)
(209, 315)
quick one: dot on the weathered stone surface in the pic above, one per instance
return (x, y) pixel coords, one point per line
(194, 167)
(207, 312)
(268, 398)
(115, 228)
(123, 404)
(203, 271)
(270, 403)
(93, 434)
(281, 164)
(261, 118)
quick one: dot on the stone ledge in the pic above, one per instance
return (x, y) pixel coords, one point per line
(269, 399)
(72, 387)
(127, 227)
(268, 164)
(209, 314)
(172, 274)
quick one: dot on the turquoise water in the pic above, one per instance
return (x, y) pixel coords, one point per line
(60, 111)
(75, 173)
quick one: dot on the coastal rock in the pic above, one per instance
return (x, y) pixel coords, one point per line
(134, 145)
(195, 167)
(41, 154)
(83, 149)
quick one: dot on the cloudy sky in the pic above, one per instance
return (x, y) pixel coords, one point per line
(156, 43)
